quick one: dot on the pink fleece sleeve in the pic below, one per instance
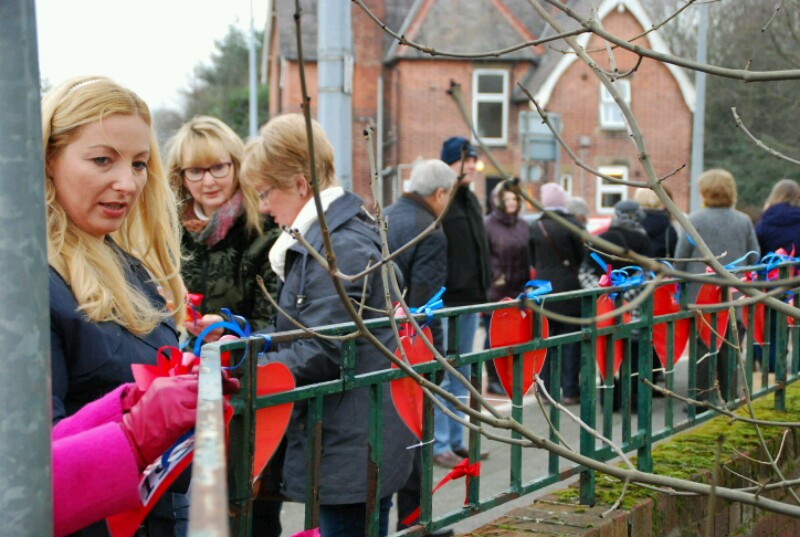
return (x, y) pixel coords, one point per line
(94, 476)
(107, 409)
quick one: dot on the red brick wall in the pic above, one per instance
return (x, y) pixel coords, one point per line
(656, 102)
(422, 115)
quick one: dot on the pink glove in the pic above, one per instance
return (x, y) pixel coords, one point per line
(163, 413)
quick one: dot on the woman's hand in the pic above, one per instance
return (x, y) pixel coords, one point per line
(195, 327)
(161, 416)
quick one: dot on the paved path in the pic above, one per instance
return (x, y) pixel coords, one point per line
(495, 470)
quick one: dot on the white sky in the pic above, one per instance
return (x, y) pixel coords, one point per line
(150, 46)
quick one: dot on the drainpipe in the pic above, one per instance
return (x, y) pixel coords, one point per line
(335, 82)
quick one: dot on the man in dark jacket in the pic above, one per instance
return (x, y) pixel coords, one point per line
(424, 270)
(423, 266)
(468, 274)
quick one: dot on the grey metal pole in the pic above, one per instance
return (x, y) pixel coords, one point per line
(253, 78)
(698, 121)
(335, 82)
(25, 480)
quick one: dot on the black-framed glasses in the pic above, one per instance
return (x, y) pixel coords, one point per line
(196, 173)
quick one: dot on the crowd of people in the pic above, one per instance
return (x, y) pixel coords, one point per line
(128, 237)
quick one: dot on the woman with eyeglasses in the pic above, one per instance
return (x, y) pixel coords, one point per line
(226, 240)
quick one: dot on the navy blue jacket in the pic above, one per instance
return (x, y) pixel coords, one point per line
(308, 296)
(91, 359)
(424, 265)
(779, 227)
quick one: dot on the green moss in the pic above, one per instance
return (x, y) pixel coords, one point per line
(693, 452)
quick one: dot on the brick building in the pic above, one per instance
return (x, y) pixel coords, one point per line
(409, 89)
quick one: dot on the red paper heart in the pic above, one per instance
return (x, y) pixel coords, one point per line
(758, 329)
(604, 305)
(271, 422)
(712, 294)
(407, 395)
(512, 326)
(664, 303)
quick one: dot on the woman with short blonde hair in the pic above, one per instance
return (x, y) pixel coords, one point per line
(717, 188)
(277, 164)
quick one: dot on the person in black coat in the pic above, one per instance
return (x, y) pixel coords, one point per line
(657, 223)
(277, 165)
(626, 230)
(424, 271)
(468, 274)
(113, 249)
(556, 254)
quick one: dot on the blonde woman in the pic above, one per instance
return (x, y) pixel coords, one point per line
(730, 235)
(277, 164)
(226, 240)
(112, 242)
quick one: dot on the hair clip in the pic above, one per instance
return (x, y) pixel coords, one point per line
(82, 84)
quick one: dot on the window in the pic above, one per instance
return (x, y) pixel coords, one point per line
(608, 193)
(610, 114)
(566, 183)
(489, 105)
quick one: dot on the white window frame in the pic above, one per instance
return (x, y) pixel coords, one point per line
(610, 114)
(566, 182)
(603, 188)
(501, 98)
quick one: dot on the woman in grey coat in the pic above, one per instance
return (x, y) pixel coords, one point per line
(277, 165)
(729, 234)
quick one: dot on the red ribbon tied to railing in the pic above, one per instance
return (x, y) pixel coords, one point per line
(463, 468)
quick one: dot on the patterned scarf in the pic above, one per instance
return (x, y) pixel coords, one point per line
(211, 231)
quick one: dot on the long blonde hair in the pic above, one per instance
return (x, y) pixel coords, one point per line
(199, 139)
(90, 265)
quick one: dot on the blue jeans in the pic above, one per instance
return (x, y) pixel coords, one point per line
(349, 520)
(448, 434)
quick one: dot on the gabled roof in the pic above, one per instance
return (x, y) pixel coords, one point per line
(555, 62)
(284, 16)
(452, 25)
(467, 26)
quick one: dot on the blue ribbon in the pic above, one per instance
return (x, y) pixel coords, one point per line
(599, 260)
(434, 303)
(534, 289)
(230, 324)
(772, 260)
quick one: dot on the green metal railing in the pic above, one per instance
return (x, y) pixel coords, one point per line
(636, 430)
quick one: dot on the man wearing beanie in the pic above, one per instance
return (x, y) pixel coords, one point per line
(556, 254)
(468, 275)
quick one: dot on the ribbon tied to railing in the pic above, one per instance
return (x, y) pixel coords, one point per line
(772, 260)
(624, 278)
(462, 469)
(430, 306)
(236, 324)
(534, 289)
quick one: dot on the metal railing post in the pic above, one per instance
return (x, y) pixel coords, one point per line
(25, 453)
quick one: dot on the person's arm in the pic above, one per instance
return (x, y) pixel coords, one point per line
(107, 409)
(263, 314)
(428, 274)
(95, 475)
(683, 250)
(316, 360)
